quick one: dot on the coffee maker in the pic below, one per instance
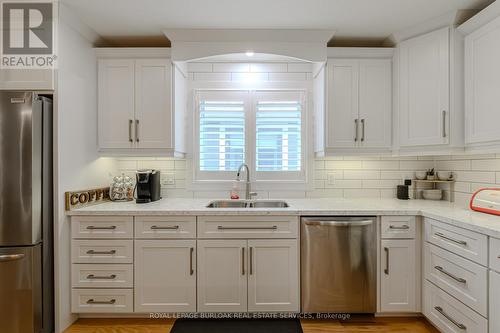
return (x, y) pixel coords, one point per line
(148, 186)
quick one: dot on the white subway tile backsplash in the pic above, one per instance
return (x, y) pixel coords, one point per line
(299, 67)
(343, 183)
(231, 67)
(381, 184)
(268, 68)
(343, 164)
(287, 77)
(453, 165)
(498, 177)
(380, 165)
(212, 77)
(416, 165)
(325, 193)
(200, 67)
(486, 165)
(361, 174)
(475, 176)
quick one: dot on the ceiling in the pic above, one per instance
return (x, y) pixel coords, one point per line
(132, 20)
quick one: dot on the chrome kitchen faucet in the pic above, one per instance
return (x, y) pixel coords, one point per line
(248, 193)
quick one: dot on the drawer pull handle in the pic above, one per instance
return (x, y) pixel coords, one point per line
(155, 227)
(96, 277)
(454, 322)
(91, 301)
(11, 257)
(242, 261)
(250, 260)
(461, 242)
(441, 269)
(191, 270)
(101, 252)
(111, 227)
(403, 227)
(274, 227)
(386, 270)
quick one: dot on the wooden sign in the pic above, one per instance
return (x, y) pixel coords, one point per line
(79, 199)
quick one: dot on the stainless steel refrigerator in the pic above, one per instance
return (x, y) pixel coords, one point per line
(26, 213)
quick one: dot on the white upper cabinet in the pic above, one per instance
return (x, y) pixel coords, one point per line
(116, 103)
(359, 105)
(482, 81)
(429, 115)
(135, 103)
(153, 113)
(424, 79)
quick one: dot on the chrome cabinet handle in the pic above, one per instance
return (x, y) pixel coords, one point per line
(274, 227)
(191, 269)
(453, 321)
(101, 252)
(444, 124)
(155, 227)
(498, 257)
(137, 130)
(356, 129)
(130, 122)
(111, 227)
(250, 260)
(242, 261)
(461, 242)
(91, 301)
(95, 277)
(441, 269)
(362, 130)
(11, 257)
(386, 270)
(339, 223)
(403, 227)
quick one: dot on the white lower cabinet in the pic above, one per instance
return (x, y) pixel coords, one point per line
(253, 275)
(494, 302)
(398, 276)
(222, 275)
(165, 275)
(273, 283)
(449, 315)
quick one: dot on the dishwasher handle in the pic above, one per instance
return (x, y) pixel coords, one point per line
(339, 223)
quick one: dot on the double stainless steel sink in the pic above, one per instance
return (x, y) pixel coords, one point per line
(248, 204)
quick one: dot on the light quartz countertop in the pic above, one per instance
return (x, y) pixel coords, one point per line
(440, 210)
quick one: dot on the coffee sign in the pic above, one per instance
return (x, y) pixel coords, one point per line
(79, 199)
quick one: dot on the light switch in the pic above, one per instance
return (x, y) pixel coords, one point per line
(167, 179)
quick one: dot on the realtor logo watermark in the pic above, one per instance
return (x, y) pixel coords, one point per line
(27, 35)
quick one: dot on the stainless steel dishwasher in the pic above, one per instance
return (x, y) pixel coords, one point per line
(338, 264)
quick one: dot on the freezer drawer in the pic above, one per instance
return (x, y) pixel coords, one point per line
(21, 289)
(338, 264)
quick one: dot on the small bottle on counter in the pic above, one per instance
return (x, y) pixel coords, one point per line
(235, 190)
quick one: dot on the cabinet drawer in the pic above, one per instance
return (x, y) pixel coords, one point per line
(247, 227)
(102, 251)
(102, 300)
(495, 254)
(448, 314)
(102, 276)
(465, 243)
(102, 227)
(494, 302)
(459, 277)
(154, 227)
(394, 227)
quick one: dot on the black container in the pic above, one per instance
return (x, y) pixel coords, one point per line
(403, 192)
(148, 186)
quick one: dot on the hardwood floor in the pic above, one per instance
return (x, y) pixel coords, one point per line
(355, 325)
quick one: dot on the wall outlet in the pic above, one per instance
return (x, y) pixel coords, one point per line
(167, 179)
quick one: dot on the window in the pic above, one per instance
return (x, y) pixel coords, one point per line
(263, 129)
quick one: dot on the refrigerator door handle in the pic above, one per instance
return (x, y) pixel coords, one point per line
(11, 257)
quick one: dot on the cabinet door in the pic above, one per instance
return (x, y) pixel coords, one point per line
(424, 89)
(375, 100)
(342, 111)
(165, 275)
(222, 275)
(273, 283)
(397, 276)
(494, 301)
(115, 103)
(482, 84)
(153, 111)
